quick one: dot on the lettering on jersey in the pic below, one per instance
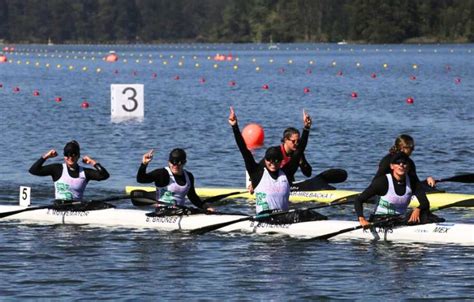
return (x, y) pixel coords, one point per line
(162, 219)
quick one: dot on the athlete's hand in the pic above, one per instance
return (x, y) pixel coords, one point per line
(415, 216)
(307, 121)
(147, 157)
(88, 160)
(50, 154)
(431, 181)
(232, 117)
(364, 223)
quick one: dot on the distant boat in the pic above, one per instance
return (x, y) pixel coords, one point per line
(272, 45)
(50, 43)
(343, 42)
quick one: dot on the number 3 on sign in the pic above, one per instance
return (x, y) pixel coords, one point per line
(127, 100)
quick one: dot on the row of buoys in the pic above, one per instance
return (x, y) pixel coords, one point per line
(85, 104)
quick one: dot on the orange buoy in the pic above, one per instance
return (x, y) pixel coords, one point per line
(3, 59)
(253, 135)
(410, 100)
(111, 57)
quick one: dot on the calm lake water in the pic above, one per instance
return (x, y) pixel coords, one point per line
(85, 263)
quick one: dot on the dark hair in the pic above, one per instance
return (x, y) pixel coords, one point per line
(289, 132)
(274, 153)
(72, 148)
(177, 154)
(401, 141)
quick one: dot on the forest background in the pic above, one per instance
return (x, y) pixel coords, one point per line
(236, 21)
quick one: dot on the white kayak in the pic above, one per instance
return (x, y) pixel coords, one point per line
(455, 233)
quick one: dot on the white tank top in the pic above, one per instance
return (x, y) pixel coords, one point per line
(391, 203)
(70, 188)
(272, 194)
(173, 193)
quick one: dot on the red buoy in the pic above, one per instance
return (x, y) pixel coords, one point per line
(253, 135)
(410, 100)
(176, 77)
(413, 78)
(354, 95)
(265, 86)
(16, 89)
(85, 104)
(457, 80)
(111, 57)
(202, 80)
(232, 83)
(36, 93)
(154, 75)
(58, 99)
(3, 59)
(373, 75)
(306, 90)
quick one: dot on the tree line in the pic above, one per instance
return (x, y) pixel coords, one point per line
(237, 21)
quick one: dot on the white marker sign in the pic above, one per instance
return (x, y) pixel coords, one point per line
(127, 100)
(25, 196)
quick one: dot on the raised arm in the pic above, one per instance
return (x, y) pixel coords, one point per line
(250, 164)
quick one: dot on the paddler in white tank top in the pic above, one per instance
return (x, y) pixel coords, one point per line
(270, 182)
(173, 183)
(395, 191)
(70, 179)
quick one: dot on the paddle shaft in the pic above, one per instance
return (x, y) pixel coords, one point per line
(209, 228)
(58, 207)
(330, 235)
(145, 198)
(465, 178)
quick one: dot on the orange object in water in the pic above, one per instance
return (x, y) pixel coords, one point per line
(111, 57)
(3, 59)
(253, 135)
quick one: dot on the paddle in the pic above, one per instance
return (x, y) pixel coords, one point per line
(464, 178)
(59, 207)
(142, 198)
(321, 181)
(209, 228)
(330, 235)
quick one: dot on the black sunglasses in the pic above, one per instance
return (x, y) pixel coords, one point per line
(177, 162)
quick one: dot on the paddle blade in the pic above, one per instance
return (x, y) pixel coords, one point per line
(142, 198)
(334, 176)
(464, 178)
